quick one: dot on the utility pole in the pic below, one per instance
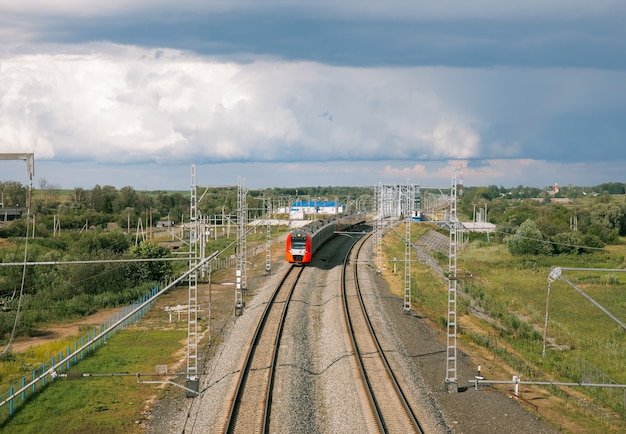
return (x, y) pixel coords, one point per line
(192, 307)
(268, 239)
(408, 207)
(451, 372)
(241, 257)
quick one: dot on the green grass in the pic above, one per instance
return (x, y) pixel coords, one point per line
(512, 292)
(514, 288)
(14, 366)
(100, 404)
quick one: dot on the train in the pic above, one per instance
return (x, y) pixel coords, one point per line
(303, 242)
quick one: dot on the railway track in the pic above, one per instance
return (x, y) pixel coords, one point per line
(389, 408)
(250, 407)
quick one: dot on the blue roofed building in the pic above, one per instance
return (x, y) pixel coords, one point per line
(317, 207)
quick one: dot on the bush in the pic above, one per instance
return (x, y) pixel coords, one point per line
(528, 240)
(568, 242)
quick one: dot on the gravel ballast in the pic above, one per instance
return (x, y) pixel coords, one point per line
(315, 389)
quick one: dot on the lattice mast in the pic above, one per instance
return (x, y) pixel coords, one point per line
(408, 210)
(241, 256)
(378, 233)
(192, 317)
(268, 237)
(451, 372)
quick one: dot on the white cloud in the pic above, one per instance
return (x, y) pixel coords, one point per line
(121, 104)
(127, 104)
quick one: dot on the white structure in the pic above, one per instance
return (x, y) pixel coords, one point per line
(478, 226)
(317, 207)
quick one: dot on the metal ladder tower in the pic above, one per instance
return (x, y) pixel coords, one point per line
(192, 309)
(242, 220)
(268, 239)
(412, 204)
(378, 232)
(408, 210)
(451, 373)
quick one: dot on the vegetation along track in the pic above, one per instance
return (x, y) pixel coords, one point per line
(251, 404)
(390, 409)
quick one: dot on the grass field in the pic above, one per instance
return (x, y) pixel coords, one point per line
(101, 404)
(502, 311)
(112, 401)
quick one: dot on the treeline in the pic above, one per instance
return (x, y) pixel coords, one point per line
(84, 208)
(559, 226)
(564, 191)
(600, 217)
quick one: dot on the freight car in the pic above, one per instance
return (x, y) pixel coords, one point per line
(302, 243)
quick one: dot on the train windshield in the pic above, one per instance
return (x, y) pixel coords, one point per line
(298, 242)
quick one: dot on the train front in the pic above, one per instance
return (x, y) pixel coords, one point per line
(298, 247)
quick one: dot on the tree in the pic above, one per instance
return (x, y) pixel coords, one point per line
(150, 271)
(13, 194)
(609, 216)
(528, 240)
(612, 188)
(80, 197)
(568, 242)
(103, 197)
(127, 198)
(97, 243)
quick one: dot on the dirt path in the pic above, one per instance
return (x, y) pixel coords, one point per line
(58, 331)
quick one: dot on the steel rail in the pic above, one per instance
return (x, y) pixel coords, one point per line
(380, 420)
(243, 375)
(392, 377)
(355, 348)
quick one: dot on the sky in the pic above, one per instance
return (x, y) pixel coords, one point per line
(286, 93)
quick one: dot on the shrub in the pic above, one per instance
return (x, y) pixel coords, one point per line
(528, 240)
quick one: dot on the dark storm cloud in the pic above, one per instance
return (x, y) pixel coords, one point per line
(363, 41)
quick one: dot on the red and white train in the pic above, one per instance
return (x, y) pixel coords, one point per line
(303, 242)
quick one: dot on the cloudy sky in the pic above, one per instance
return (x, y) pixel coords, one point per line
(286, 93)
